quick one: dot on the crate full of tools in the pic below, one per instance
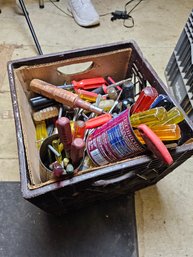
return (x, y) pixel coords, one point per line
(93, 124)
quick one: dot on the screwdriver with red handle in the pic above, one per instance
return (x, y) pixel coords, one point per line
(98, 121)
(145, 99)
(86, 84)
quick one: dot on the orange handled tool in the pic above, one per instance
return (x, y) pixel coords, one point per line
(98, 121)
(62, 96)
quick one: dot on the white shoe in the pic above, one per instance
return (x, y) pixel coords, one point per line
(84, 12)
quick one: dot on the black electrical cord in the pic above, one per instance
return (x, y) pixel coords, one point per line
(128, 13)
(133, 7)
(105, 14)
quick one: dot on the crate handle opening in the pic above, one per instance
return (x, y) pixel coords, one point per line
(106, 182)
(75, 68)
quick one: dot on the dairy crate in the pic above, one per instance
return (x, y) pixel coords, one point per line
(179, 71)
(118, 60)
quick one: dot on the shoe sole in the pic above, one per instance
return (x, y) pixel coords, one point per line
(80, 21)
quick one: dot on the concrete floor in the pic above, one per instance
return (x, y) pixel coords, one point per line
(164, 211)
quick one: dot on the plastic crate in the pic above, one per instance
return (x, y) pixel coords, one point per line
(179, 71)
(119, 60)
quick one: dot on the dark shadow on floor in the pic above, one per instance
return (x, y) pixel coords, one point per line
(105, 229)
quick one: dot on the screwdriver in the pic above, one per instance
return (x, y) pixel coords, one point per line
(127, 95)
(62, 96)
(41, 132)
(98, 121)
(65, 135)
(106, 105)
(150, 116)
(39, 102)
(162, 100)
(55, 144)
(119, 83)
(45, 113)
(72, 127)
(100, 90)
(79, 129)
(168, 132)
(58, 170)
(86, 83)
(112, 93)
(103, 89)
(116, 103)
(77, 150)
(128, 91)
(174, 116)
(87, 95)
(144, 100)
(111, 81)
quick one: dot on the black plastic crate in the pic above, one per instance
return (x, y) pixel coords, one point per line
(120, 60)
(179, 71)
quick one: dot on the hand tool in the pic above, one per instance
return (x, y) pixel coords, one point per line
(170, 132)
(162, 100)
(155, 145)
(65, 135)
(77, 150)
(45, 113)
(87, 95)
(173, 116)
(145, 99)
(79, 129)
(41, 132)
(62, 96)
(58, 170)
(151, 116)
(98, 121)
(86, 83)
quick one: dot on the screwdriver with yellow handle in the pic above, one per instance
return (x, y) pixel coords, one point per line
(87, 95)
(174, 116)
(57, 147)
(168, 132)
(41, 133)
(157, 116)
(150, 116)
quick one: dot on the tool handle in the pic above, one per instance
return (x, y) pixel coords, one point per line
(48, 90)
(89, 83)
(145, 99)
(98, 121)
(77, 150)
(62, 96)
(64, 131)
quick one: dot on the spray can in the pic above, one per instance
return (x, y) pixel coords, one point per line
(114, 141)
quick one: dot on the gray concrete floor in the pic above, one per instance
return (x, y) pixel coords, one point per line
(164, 211)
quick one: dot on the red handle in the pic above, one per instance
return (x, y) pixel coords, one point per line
(145, 99)
(89, 83)
(155, 145)
(98, 121)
